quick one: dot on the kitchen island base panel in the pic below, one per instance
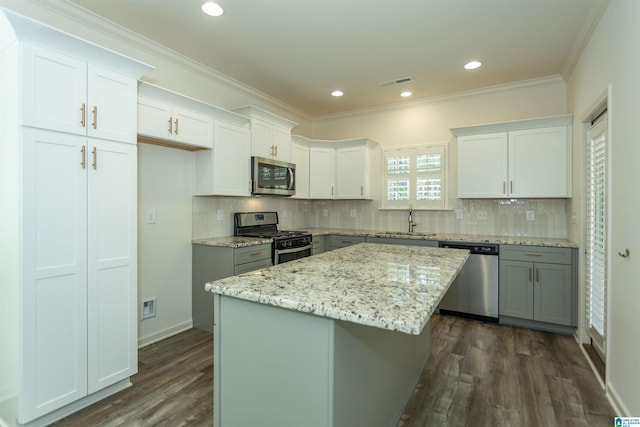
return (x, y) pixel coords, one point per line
(278, 367)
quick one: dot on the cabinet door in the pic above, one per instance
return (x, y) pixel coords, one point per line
(300, 157)
(322, 173)
(153, 118)
(54, 91)
(516, 289)
(225, 170)
(482, 166)
(350, 172)
(54, 314)
(282, 143)
(111, 104)
(539, 162)
(112, 263)
(552, 298)
(192, 128)
(262, 139)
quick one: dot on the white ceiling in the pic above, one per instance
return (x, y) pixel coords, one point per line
(298, 51)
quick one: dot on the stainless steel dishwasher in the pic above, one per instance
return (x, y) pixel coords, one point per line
(474, 292)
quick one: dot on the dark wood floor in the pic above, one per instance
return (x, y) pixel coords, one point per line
(480, 374)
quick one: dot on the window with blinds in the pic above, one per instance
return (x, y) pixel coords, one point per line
(415, 176)
(596, 234)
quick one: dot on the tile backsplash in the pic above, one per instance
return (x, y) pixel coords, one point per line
(546, 218)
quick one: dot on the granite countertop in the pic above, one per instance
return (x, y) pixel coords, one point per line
(232, 241)
(385, 286)
(237, 242)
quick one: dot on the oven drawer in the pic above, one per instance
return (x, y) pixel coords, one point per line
(251, 254)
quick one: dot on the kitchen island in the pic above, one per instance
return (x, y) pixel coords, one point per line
(337, 339)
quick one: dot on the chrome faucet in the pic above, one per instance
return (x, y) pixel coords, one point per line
(410, 219)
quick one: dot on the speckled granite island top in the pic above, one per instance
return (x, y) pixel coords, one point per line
(385, 286)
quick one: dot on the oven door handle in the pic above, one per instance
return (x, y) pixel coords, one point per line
(289, 251)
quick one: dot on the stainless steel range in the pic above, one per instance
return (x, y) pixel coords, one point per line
(287, 245)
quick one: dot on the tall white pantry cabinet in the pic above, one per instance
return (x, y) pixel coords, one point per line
(69, 193)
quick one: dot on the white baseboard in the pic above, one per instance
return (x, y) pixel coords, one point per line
(620, 410)
(164, 333)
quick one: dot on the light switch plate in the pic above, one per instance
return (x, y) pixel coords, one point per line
(151, 216)
(482, 215)
(220, 215)
(353, 213)
(325, 212)
(459, 214)
(531, 215)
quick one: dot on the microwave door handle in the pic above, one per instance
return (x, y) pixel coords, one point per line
(291, 176)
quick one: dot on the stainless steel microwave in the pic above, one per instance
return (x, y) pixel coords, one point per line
(272, 177)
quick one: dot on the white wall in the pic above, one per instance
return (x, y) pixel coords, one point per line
(165, 185)
(611, 61)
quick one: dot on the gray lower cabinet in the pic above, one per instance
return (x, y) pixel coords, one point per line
(538, 287)
(217, 262)
(401, 241)
(319, 243)
(337, 241)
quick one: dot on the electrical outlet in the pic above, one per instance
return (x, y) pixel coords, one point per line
(531, 215)
(151, 216)
(459, 214)
(220, 215)
(574, 217)
(353, 213)
(482, 215)
(325, 212)
(284, 213)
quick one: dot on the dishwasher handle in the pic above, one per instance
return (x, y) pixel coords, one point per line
(473, 248)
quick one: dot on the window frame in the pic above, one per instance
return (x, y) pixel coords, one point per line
(412, 152)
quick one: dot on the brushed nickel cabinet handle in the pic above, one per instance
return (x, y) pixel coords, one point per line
(362, 190)
(533, 254)
(537, 275)
(95, 159)
(95, 117)
(83, 116)
(176, 126)
(83, 150)
(511, 187)
(530, 274)
(504, 187)
(170, 124)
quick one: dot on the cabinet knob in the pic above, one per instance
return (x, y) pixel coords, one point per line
(625, 254)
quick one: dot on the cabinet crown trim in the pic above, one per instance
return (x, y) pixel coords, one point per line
(541, 122)
(258, 113)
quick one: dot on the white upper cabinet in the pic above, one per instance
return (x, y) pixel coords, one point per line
(68, 95)
(300, 157)
(225, 170)
(529, 158)
(270, 134)
(322, 171)
(176, 119)
(357, 169)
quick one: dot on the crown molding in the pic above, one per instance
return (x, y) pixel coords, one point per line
(98, 24)
(447, 97)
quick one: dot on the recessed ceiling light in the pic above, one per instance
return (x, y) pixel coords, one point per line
(212, 9)
(472, 65)
(337, 93)
(406, 94)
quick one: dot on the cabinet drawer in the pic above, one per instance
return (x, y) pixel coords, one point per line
(252, 253)
(250, 266)
(536, 254)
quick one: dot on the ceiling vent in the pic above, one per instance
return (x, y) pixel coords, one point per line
(397, 81)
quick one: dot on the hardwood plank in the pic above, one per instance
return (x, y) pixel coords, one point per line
(479, 373)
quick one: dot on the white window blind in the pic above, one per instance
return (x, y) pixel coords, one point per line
(596, 234)
(415, 176)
